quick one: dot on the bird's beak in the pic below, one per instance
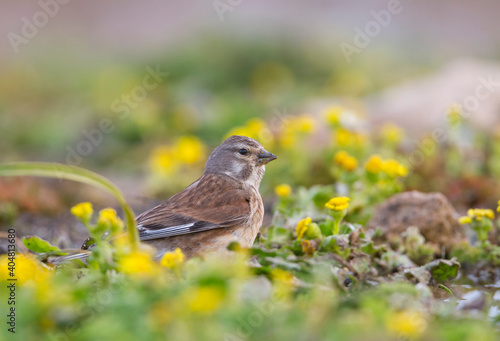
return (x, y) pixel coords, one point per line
(265, 157)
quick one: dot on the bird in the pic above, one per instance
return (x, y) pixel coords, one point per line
(224, 205)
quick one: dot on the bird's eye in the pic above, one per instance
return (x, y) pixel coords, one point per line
(243, 151)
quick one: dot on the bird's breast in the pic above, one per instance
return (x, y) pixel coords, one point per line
(252, 227)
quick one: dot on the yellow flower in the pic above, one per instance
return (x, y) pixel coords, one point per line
(303, 124)
(204, 299)
(332, 114)
(287, 139)
(340, 156)
(108, 216)
(302, 227)
(338, 204)
(454, 114)
(162, 160)
(282, 276)
(374, 164)
(172, 259)
(394, 169)
(408, 324)
(137, 263)
(283, 190)
(498, 208)
(25, 268)
(392, 133)
(465, 220)
(480, 213)
(347, 138)
(254, 128)
(346, 161)
(350, 163)
(83, 211)
(284, 283)
(242, 131)
(190, 150)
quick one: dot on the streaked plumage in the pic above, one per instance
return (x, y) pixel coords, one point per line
(224, 205)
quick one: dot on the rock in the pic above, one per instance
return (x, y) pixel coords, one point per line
(432, 213)
(473, 300)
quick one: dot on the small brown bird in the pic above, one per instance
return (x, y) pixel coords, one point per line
(222, 206)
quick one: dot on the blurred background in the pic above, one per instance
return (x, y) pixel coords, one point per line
(141, 92)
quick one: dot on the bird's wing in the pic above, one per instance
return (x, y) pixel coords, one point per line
(214, 201)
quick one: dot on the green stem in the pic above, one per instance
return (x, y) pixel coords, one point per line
(60, 171)
(336, 226)
(448, 290)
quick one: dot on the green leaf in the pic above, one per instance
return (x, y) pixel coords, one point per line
(60, 171)
(443, 269)
(313, 231)
(326, 227)
(39, 245)
(338, 244)
(321, 198)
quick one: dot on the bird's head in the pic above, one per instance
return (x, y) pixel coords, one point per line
(240, 157)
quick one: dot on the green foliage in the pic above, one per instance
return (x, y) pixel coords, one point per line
(38, 245)
(443, 269)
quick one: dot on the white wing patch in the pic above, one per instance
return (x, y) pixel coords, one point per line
(148, 234)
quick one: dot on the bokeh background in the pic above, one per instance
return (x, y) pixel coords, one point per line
(72, 90)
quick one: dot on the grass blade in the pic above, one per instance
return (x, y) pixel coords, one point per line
(67, 172)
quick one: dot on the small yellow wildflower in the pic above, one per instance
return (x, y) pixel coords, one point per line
(338, 203)
(394, 169)
(498, 208)
(302, 227)
(254, 128)
(408, 324)
(480, 213)
(242, 131)
(350, 163)
(287, 139)
(190, 150)
(392, 134)
(346, 161)
(283, 190)
(205, 299)
(162, 160)
(465, 220)
(332, 114)
(284, 283)
(25, 268)
(282, 276)
(374, 164)
(340, 156)
(454, 114)
(108, 216)
(83, 211)
(303, 124)
(137, 263)
(172, 259)
(347, 138)
(476, 215)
